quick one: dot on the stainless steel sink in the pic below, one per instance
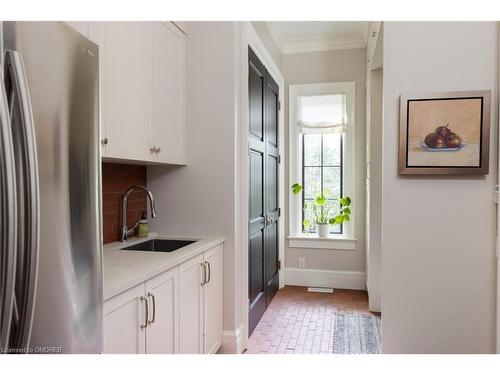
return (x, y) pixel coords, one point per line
(164, 246)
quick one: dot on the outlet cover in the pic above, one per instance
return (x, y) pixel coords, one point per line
(302, 262)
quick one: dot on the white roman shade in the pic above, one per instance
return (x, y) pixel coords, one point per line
(321, 114)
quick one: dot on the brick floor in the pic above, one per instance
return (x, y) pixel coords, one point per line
(301, 322)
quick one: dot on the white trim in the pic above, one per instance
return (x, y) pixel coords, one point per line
(497, 238)
(326, 278)
(319, 44)
(232, 341)
(250, 37)
(330, 243)
(349, 165)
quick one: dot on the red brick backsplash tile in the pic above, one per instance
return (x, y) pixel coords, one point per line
(116, 179)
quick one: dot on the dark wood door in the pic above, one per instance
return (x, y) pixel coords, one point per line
(263, 255)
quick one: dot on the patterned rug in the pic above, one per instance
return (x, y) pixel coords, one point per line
(356, 334)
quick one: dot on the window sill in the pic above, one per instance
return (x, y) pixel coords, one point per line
(313, 242)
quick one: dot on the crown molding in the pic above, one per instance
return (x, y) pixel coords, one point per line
(320, 43)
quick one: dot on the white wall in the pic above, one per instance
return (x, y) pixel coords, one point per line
(268, 41)
(332, 66)
(200, 198)
(438, 234)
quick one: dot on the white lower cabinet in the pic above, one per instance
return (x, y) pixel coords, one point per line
(201, 314)
(212, 301)
(123, 317)
(191, 277)
(178, 311)
(162, 333)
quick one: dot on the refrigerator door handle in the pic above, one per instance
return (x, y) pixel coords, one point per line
(8, 234)
(14, 69)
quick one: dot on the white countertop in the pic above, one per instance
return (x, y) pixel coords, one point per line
(124, 269)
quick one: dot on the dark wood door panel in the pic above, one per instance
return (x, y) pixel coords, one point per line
(263, 223)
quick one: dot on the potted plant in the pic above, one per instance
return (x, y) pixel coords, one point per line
(323, 215)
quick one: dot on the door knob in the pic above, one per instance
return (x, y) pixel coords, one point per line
(104, 141)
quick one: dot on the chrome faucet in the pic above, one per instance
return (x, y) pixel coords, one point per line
(125, 232)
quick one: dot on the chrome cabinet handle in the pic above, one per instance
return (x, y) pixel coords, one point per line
(154, 308)
(28, 186)
(8, 209)
(204, 281)
(144, 302)
(209, 272)
(153, 150)
(104, 141)
(158, 150)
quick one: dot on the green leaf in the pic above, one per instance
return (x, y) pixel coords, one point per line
(346, 201)
(306, 223)
(346, 210)
(331, 221)
(320, 200)
(296, 188)
(346, 217)
(339, 220)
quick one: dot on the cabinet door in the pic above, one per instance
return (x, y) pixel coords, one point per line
(128, 77)
(191, 306)
(96, 33)
(123, 317)
(212, 300)
(162, 335)
(168, 131)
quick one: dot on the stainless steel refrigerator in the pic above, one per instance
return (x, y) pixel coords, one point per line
(50, 231)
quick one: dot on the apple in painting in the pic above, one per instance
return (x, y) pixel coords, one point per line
(435, 140)
(453, 141)
(443, 131)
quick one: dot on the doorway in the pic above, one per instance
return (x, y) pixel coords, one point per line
(264, 211)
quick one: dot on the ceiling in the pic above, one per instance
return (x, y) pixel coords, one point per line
(312, 36)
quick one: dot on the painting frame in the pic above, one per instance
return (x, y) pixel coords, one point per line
(484, 132)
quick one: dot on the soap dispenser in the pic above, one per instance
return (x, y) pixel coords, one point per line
(143, 229)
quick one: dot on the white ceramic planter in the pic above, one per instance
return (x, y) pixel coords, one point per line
(323, 229)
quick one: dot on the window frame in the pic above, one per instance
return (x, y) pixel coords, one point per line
(296, 236)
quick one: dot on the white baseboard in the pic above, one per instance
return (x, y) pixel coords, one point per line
(232, 341)
(325, 278)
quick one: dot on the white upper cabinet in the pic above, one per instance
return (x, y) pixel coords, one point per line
(128, 81)
(142, 68)
(167, 128)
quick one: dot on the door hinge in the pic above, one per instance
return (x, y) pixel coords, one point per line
(279, 105)
(279, 159)
(495, 194)
(279, 264)
(279, 211)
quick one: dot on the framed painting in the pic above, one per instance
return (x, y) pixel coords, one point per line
(444, 133)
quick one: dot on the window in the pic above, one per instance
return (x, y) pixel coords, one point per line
(321, 174)
(321, 131)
